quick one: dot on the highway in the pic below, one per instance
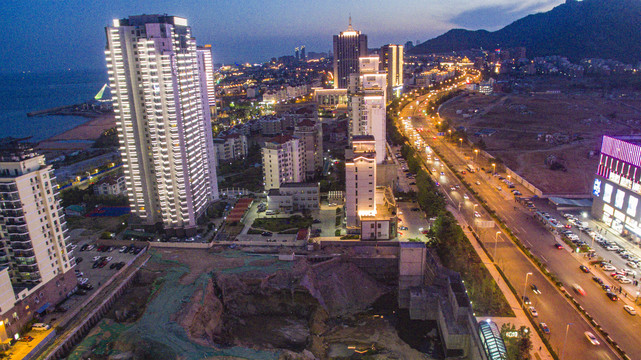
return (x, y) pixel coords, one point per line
(552, 306)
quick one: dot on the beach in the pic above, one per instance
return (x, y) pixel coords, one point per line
(80, 137)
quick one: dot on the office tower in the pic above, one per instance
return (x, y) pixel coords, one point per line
(35, 252)
(297, 53)
(283, 161)
(310, 133)
(392, 63)
(366, 93)
(349, 46)
(303, 56)
(153, 67)
(617, 185)
(360, 179)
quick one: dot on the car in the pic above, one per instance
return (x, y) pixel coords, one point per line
(476, 214)
(584, 269)
(416, 209)
(578, 289)
(86, 286)
(452, 188)
(624, 280)
(82, 281)
(403, 227)
(433, 170)
(80, 274)
(612, 296)
(109, 258)
(478, 183)
(442, 173)
(608, 267)
(122, 249)
(558, 246)
(113, 265)
(316, 221)
(266, 233)
(26, 338)
(81, 292)
(632, 264)
(79, 260)
(591, 338)
(532, 311)
(630, 310)
(90, 247)
(544, 327)
(412, 183)
(120, 265)
(629, 272)
(605, 287)
(535, 289)
(466, 197)
(526, 300)
(96, 258)
(40, 327)
(597, 280)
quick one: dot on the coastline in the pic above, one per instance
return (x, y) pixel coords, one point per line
(80, 137)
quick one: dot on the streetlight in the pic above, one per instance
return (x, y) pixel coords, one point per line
(476, 152)
(493, 167)
(525, 287)
(567, 328)
(496, 239)
(460, 141)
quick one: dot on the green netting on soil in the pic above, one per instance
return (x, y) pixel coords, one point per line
(250, 259)
(156, 331)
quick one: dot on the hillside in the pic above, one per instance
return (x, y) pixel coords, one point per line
(608, 29)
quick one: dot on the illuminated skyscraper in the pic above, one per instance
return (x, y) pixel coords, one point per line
(349, 46)
(366, 93)
(162, 115)
(392, 63)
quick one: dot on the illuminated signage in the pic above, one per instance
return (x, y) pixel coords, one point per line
(618, 201)
(596, 188)
(632, 206)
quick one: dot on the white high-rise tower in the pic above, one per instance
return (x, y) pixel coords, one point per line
(160, 106)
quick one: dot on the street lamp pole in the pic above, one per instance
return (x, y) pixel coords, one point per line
(476, 152)
(496, 239)
(525, 287)
(493, 168)
(567, 328)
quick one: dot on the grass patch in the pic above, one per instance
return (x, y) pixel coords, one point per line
(281, 224)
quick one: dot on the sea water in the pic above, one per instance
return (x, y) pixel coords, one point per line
(27, 92)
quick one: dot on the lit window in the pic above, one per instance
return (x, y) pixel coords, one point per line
(632, 206)
(607, 193)
(618, 201)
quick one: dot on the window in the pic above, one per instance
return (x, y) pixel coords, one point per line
(618, 201)
(607, 193)
(632, 206)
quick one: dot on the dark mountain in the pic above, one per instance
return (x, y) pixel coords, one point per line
(609, 29)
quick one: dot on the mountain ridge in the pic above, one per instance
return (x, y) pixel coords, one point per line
(575, 29)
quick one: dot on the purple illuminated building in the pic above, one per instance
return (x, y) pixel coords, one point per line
(617, 185)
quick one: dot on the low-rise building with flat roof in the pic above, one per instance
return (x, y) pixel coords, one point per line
(294, 197)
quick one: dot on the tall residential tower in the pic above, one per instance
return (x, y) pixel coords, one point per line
(392, 63)
(349, 46)
(162, 118)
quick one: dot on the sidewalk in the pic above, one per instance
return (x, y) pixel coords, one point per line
(521, 319)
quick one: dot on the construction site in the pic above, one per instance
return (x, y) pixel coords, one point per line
(549, 132)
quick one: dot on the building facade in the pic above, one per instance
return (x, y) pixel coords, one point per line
(283, 161)
(163, 119)
(349, 46)
(617, 186)
(230, 147)
(360, 179)
(367, 98)
(310, 134)
(294, 197)
(392, 63)
(111, 185)
(206, 69)
(35, 254)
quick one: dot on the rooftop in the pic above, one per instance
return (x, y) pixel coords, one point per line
(280, 139)
(299, 184)
(14, 149)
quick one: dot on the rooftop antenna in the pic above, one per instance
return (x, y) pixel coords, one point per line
(350, 22)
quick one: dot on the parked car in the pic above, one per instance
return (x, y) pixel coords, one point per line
(526, 300)
(533, 311)
(122, 249)
(612, 296)
(558, 246)
(78, 260)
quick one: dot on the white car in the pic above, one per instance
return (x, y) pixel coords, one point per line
(533, 311)
(122, 249)
(591, 338)
(109, 258)
(608, 267)
(466, 197)
(625, 280)
(83, 281)
(79, 274)
(476, 214)
(96, 258)
(630, 310)
(632, 264)
(630, 272)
